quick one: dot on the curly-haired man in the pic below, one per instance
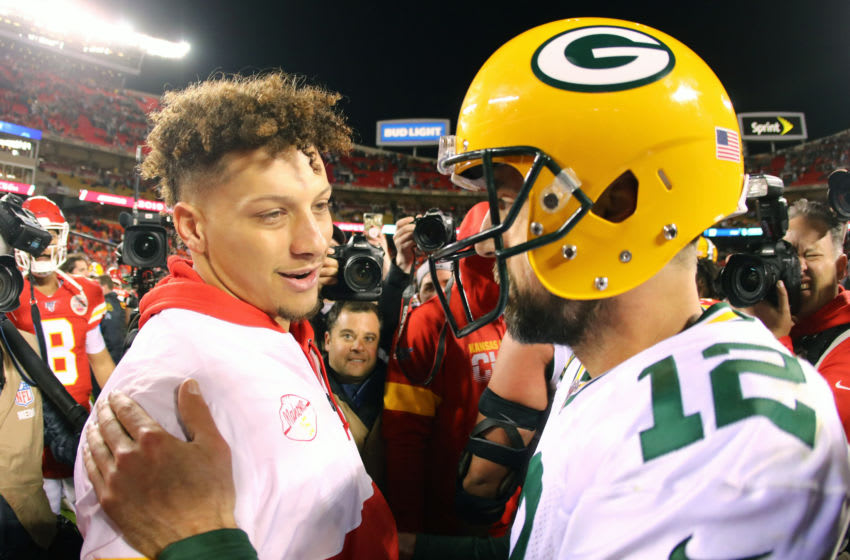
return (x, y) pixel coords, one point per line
(239, 161)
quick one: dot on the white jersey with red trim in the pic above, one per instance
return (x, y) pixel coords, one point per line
(715, 443)
(301, 489)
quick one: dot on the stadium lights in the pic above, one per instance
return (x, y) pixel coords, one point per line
(71, 19)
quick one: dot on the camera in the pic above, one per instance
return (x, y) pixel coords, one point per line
(19, 229)
(750, 276)
(838, 193)
(433, 230)
(361, 269)
(145, 242)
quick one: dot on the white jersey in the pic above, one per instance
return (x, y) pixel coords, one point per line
(562, 360)
(715, 443)
(300, 484)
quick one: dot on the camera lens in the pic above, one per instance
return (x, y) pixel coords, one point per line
(750, 279)
(362, 273)
(747, 280)
(430, 233)
(11, 284)
(146, 246)
(838, 192)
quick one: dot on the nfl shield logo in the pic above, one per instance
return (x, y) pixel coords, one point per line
(50, 305)
(24, 395)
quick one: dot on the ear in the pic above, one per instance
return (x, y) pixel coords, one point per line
(841, 267)
(190, 226)
(327, 339)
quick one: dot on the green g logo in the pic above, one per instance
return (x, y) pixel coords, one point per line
(602, 58)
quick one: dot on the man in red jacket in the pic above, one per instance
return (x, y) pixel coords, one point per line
(431, 397)
(820, 330)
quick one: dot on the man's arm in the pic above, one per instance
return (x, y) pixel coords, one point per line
(102, 365)
(156, 488)
(519, 376)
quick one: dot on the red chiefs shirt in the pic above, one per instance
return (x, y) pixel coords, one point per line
(66, 318)
(426, 425)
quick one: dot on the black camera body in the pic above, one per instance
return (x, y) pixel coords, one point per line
(434, 230)
(19, 229)
(750, 276)
(145, 242)
(361, 269)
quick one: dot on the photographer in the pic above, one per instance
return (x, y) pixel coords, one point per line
(434, 383)
(28, 529)
(820, 328)
(68, 311)
(29, 421)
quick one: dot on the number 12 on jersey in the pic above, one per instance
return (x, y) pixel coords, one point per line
(672, 429)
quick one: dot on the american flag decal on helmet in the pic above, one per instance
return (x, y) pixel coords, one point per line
(727, 146)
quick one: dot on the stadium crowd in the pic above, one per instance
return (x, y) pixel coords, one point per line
(807, 163)
(247, 414)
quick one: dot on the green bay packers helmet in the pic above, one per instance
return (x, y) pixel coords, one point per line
(579, 105)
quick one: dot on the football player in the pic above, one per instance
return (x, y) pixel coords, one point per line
(606, 148)
(70, 310)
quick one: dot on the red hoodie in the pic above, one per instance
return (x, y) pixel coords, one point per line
(427, 426)
(834, 366)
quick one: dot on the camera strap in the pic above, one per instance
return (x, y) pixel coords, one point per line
(403, 354)
(814, 347)
(36, 323)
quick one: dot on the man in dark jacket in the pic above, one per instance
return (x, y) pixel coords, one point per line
(114, 322)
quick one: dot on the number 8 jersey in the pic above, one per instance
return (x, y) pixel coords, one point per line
(715, 443)
(66, 318)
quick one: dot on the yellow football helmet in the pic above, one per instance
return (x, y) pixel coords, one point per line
(575, 105)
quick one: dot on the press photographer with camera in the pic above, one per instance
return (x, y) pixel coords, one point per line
(64, 313)
(434, 382)
(790, 277)
(35, 412)
(359, 275)
(813, 317)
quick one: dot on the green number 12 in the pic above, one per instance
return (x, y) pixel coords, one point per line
(672, 429)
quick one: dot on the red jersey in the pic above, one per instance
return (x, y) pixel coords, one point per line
(66, 318)
(426, 426)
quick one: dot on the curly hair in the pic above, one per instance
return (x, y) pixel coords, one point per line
(198, 126)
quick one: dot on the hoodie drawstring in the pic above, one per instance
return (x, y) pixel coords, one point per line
(323, 378)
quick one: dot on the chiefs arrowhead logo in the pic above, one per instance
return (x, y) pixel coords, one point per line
(297, 418)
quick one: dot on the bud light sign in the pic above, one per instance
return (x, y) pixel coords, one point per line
(411, 132)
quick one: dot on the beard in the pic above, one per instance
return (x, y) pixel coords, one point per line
(293, 315)
(541, 317)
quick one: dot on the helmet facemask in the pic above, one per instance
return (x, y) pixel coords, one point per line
(557, 196)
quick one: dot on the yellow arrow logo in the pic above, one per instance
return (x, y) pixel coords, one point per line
(786, 126)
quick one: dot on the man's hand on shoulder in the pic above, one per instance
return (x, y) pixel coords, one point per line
(155, 487)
